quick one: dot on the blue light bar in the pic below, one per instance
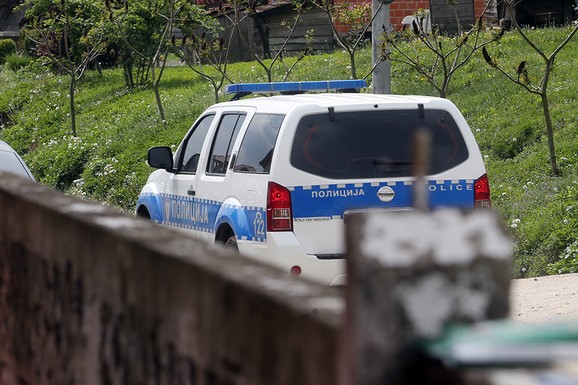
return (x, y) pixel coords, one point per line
(294, 87)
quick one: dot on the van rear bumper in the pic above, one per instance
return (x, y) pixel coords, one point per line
(283, 251)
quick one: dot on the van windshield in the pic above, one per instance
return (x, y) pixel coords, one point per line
(374, 144)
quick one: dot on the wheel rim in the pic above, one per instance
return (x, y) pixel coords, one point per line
(231, 243)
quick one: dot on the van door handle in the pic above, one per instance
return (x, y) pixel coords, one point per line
(191, 192)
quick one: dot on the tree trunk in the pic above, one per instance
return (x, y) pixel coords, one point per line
(550, 133)
(72, 90)
(215, 89)
(159, 103)
(156, 85)
(547, 117)
(352, 62)
(444, 88)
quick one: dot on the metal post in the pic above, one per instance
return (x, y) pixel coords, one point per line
(410, 274)
(381, 76)
(422, 148)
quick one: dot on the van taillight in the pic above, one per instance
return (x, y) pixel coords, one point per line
(279, 208)
(482, 192)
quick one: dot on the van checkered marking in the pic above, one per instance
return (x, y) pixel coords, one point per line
(311, 201)
(201, 215)
(379, 184)
(333, 200)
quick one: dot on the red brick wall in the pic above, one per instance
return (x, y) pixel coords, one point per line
(401, 8)
(479, 6)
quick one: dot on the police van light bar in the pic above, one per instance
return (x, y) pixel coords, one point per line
(295, 87)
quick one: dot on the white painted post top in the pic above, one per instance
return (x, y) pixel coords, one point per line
(448, 236)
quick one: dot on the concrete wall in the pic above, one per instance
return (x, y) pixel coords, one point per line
(91, 296)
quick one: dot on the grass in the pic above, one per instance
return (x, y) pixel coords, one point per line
(106, 162)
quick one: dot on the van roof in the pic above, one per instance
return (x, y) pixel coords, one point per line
(284, 103)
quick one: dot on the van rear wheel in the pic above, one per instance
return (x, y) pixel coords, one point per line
(231, 243)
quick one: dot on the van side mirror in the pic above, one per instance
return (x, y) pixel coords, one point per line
(161, 157)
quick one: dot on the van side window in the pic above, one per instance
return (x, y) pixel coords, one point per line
(223, 142)
(194, 144)
(256, 150)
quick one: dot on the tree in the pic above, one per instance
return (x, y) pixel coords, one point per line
(212, 51)
(236, 13)
(132, 32)
(206, 54)
(446, 54)
(145, 28)
(522, 77)
(64, 32)
(7, 47)
(357, 19)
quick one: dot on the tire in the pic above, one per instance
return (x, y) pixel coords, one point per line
(231, 243)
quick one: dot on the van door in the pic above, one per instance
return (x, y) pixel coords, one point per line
(181, 206)
(213, 176)
(250, 176)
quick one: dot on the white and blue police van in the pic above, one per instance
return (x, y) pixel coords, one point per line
(272, 177)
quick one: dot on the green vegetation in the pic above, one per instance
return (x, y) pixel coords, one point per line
(116, 125)
(7, 47)
(17, 61)
(434, 55)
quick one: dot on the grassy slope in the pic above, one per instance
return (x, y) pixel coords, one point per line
(106, 161)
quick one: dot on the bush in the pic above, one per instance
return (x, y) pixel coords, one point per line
(7, 47)
(61, 162)
(16, 62)
(568, 262)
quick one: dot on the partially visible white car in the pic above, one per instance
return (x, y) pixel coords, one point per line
(10, 161)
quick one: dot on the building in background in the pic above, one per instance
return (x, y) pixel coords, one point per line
(266, 32)
(10, 20)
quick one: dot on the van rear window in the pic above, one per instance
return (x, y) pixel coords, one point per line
(374, 144)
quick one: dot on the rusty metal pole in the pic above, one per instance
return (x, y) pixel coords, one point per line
(422, 150)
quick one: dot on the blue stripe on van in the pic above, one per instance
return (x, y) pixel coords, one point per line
(248, 222)
(333, 200)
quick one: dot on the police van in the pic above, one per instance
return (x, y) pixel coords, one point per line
(272, 177)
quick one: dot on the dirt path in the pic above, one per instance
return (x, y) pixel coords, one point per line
(547, 299)
(552, 298)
